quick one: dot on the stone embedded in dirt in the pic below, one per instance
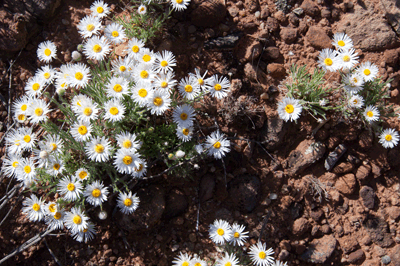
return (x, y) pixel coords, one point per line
(305, 154)
(325, 13)
(367, 196)
(251, 5)
(273, 133)
(300, 226)
(318, 38)
(334, 156)
(271, 52)
(252, 52)
(209, 13)
(391, 57)
(346, 184)
(250, 72)
(207, 185)
(394, 212)
(176, 204)
(288, 35)
(367, 28)
(377, 228)
(363, 172)
(233, 11)
(265, 12)
(277, 71)
(355, 256)
(293, 19)
(375, 170)
(386, 260)
(348, 243)
(272, 24)
(319, 250)
(283, 255)
(244, 191)
(310, 8)
(395, 256)
(343, 168)
(317, 215)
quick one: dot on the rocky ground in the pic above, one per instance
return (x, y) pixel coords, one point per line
(276, 184)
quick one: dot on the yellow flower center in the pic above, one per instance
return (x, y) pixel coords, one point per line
(236, 235)
(188, 88)
(122, 68)
(79, 103)
(228, 264)
(183, 116)
(35, 86)
(142, 93)
(53, 146)
(366, 72)
(217, 87)
(36, 207)
(27, 138)
(185, 131)
(158, 101)
(90, 27)
(97, 48)
(56, 166)
(63, 85)
(355, 80)
(289, 108)
(198, 263)
(21, 117)
(179, 1)
(220, 231)
(355, 101)
(15, 164)
(100, 9)
(135, 49)
(328, 61)
(77, 219)
(127, 144)
(87, 111)
(82, 175)
(47, 52)
(200, 81)
(115, 33)
(146, 58)
(57, 215)
(78, 75)
(370, 114)
(140, 168)
(38, 111)
(164, 84)
(99, 148)
(46, 75)
(71, 187)
(52, 207)
(96, 193)
(388, 137)
(127, 160)
(114, 110)
(82, 130)
(185, 263)
(27, 169)
(164, 63)
(262, 255)
(24, 107)
(346, 58)
(128, 202)
(144, 74)
(142, 9)
(341, 43)
(217, 145)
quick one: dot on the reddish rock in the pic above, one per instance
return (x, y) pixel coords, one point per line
(394, 93)
(276, 70)
(367, 196)
(272, 24)
(288, 35)
(346, 184)
(272, 52)
(320, 249)
(318, 38)
(365, 140)
(209, 13)
(303, 27)
(251, 5)
(394, 212)
(355, 256)
(376, 170)
(310, 8)
(250, 72)
(363, 171)
(300, 226)
(317, 215)
(348, 243)
(391, 57)
(343, 168)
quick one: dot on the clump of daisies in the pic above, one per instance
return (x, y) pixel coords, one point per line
(119, 114)
(231, 239)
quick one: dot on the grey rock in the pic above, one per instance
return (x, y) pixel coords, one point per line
(273, 132)
(298, 11)
(334, 156)
(377, 229)
(319, 250)
(386, 260)
(367, 196)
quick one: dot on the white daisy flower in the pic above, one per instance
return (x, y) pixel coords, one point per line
(54, 143)
(82, 174)
(20, 117)
(114, 110)
(56, 166)
(164, 82)
(28, 138)
(50, 208)
(134, 47)
(21, 104)
(327, 60)
(347, 59)
(115, 33)
(33, 208)
(159, 102)
(95, 193)
(10, 164)
(371, 113)
(356, 101)
(47, 51)
(179, 5)
(100, 9)
(368, 71)
(13, 142)
(41, 155)
(96, 48)
(203, 83)
(88, 111)
(353, 82)
(220, 231)
(260, 255)
(34, 86)
(126, 140)
(164, 62)
(76, 220)
(289, 109)
(142, 10)
(78, 76)
(46, 73)
(88, 26)
(81, 131)
(389, 138)
(26, 170)
(78, 101)
(230, 260)
(127, 202)
(238, 235)
(144, 73)
(55, 219)
(182, 260)
(86, 234)
(98, 149)
(179, 154)
(196, 261)
(218, 87)
(70, 188)
(123, 67)
(141, 170)
(184, 115)
(37, 111)
(126, 160)
(184, 133)
(142, 92)
(189, 88)
(117, 87)
(217, 145)
(342, 41)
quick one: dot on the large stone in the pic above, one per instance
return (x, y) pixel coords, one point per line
(276, 70)
(318, 38)
(319, 250)
(310, 8)
(244, 191)
(300, 226)
(346, 184)
(395, 256)
(377, 228)
(209, 13)
(394, 212)
(273, 132)
(288, 35)
(367, 196)
(355, 256)
(348, 243)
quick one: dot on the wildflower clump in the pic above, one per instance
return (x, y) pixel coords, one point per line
(120, 115)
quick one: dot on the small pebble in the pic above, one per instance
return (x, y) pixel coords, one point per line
(386, 260)
(273, 196)
(257, 14)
